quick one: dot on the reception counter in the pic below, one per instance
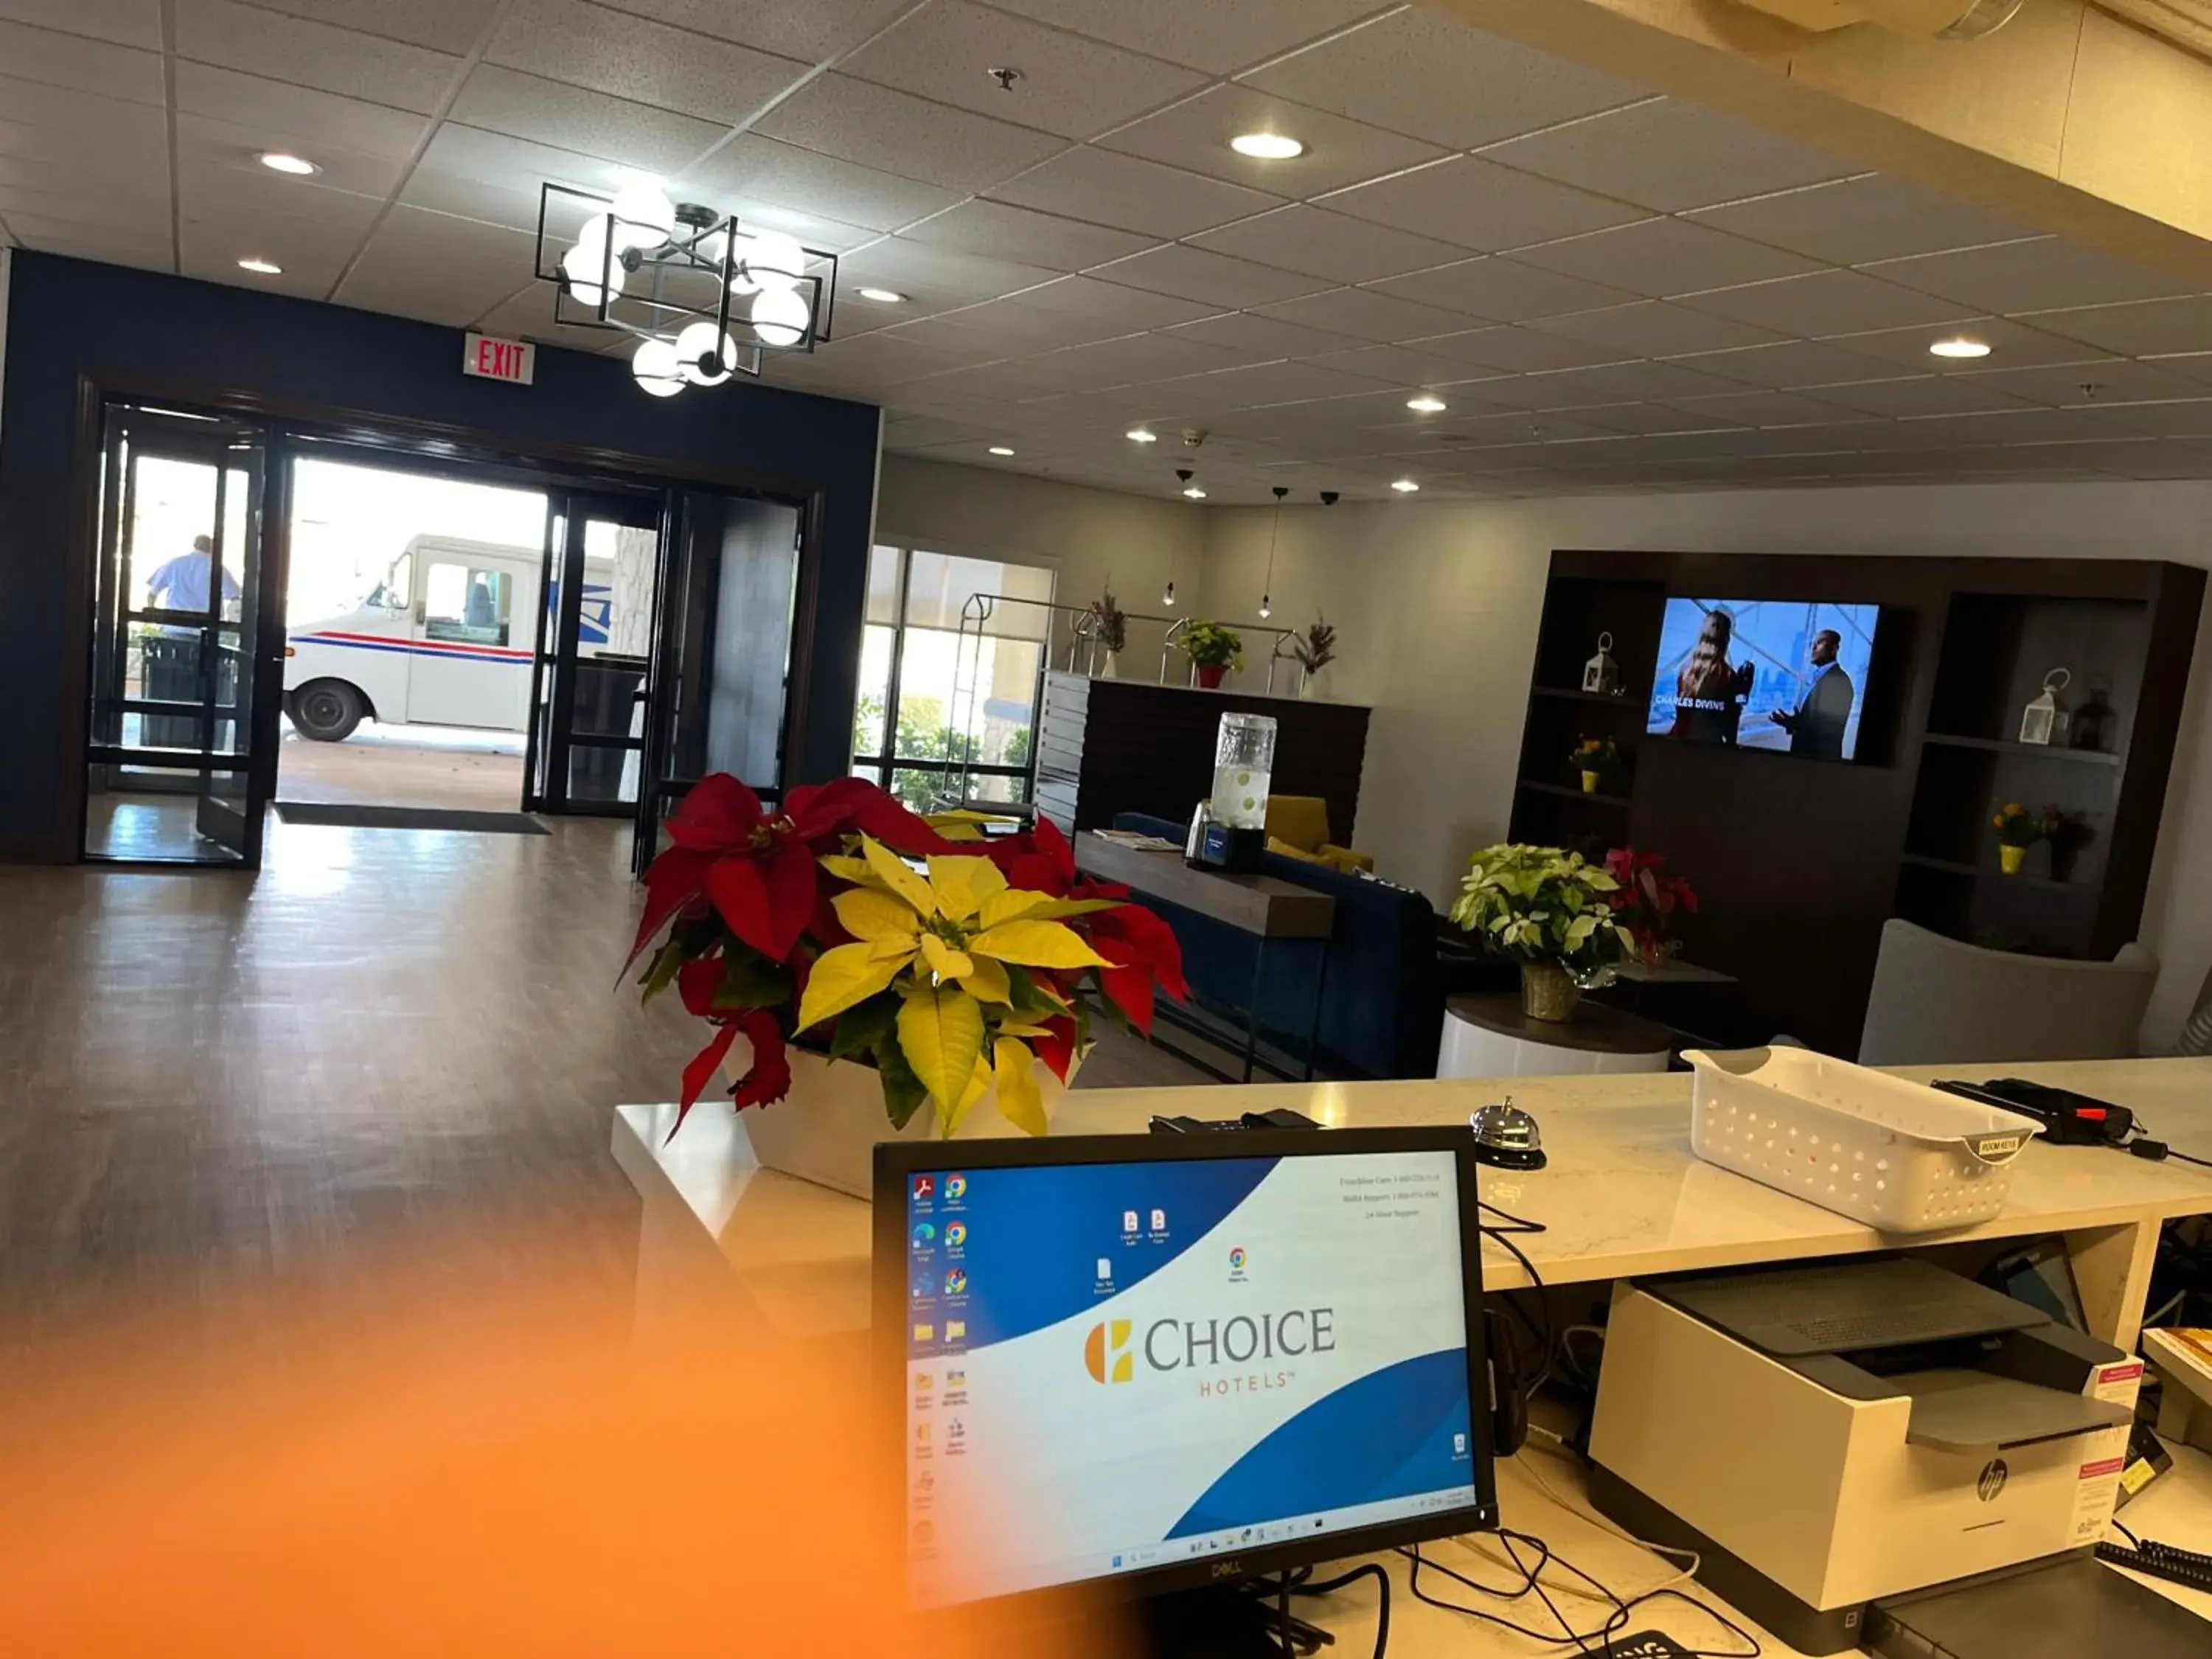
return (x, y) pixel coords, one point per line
(1623, 1195)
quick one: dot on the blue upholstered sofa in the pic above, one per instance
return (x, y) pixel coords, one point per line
(1384, 1002)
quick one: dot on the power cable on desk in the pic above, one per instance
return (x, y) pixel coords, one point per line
(1300, 1583)
(1544, 1337)
(1582, 1641)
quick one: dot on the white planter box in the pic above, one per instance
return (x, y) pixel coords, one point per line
(825, 1130)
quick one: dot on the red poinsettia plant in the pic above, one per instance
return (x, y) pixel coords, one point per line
(1647, 901)
(810, 923)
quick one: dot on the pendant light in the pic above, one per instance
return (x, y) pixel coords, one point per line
(1184, 476)
(1267, 587)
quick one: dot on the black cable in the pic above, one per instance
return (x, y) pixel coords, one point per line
(1544, 1337)
(1383, 1609)
(2124, 1532)
(1518, 1223)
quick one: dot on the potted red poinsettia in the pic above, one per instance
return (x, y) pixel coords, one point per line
(1647, 900)
(807, 933)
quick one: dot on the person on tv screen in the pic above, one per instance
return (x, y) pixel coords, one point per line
(1817, 726)
(1708, 692)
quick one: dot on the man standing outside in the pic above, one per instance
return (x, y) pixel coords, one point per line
(1818, 726)
(172, 651)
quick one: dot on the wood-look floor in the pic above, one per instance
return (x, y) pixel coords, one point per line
(206, 1071)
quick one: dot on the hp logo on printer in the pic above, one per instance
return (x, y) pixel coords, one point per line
(1993, 1477)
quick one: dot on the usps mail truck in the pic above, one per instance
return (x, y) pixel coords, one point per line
(445, 639)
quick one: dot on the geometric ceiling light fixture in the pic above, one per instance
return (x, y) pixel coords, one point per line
(705, 295)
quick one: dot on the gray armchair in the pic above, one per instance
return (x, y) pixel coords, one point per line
(1936, 1001)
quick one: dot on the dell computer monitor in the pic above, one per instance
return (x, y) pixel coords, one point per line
(1154, 1361)
(1788, 674)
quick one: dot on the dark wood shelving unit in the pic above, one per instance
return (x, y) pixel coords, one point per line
(1575, 792)
(2024, 750)
(1799, 862)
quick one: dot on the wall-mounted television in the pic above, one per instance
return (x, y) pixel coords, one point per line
(1788, 674)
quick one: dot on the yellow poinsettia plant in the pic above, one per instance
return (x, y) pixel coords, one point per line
(950, 979)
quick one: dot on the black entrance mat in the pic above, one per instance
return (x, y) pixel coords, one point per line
(408, 817)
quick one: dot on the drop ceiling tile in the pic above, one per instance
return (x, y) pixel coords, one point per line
(2112, 381)
(1854, 220)
(307, 115)
(1919, 394)
(1315, 242)
(1828, 302)
(813, 31)
(313, 255)
(80, 63)
(1405, 366)
(1767, 409)
(1477, 204)
(1364, 315)
(1640, 419)
(454, 26)
(763, 169)
(1131, 194)
(241, 189)
(396, 284)
(1219, 37)
(574, 118)
(1265, 338)
(142, 207)
(1130, 309)
(1515, 430)
(1614, 383)
(439, 236)
(999, 329)
(1431, 77)
(125, 22)
(1259, 385)
(886, 357)
(1192, 273)
(645, 62)
(1514, 350)
(2141, 328)
(35, 118)
(1069, 85)
(901, 264)
(1653, 328)
(2043, 274)
(2193, 366)
(2024, 426)
(2184, 418)
(1792, 365)
(87, 178)
(896, 132)
(2012, 345)
(1670, 155)
(146, 250)
(309, 54)
(1500, 291)
(1027, 237)
(1661, 258)
(205, 142)
(1195, 134)
(530, 317)
(1134, 360)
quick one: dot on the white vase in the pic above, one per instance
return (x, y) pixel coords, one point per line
(1313, 685)
(1112, 668)
(825, 1130)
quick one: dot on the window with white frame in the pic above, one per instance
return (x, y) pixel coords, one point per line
(932, 694)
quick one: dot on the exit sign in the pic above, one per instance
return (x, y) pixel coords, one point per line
(499, 360)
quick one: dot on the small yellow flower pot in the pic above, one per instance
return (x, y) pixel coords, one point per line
(1589, 783)
(2010, 859)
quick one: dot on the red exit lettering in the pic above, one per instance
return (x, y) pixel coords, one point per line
(491, 359)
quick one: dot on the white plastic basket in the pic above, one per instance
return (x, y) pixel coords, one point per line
(1898, 1155)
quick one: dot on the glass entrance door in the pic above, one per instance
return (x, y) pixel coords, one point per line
(594, 648)
(170, 773)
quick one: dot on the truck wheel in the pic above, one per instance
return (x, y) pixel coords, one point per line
(326, 710)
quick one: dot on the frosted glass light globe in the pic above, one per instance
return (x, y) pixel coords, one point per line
(782, 316)
(657, 368)
(644, 215)
(694, 344)
(774, 260)
(584, 264)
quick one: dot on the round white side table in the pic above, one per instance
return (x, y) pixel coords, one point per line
(1488, 1035)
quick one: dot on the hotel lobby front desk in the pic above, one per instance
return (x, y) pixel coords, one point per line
(1623, 1197)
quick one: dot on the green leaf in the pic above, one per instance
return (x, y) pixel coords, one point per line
(661, 972)
(750, 981)
(903, 1093)
(864, 1026)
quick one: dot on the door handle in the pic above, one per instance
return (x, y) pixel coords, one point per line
(421, 611)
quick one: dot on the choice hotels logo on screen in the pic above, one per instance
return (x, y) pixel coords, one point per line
(1217, 1355)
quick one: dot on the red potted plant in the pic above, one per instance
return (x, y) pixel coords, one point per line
(1648, 901)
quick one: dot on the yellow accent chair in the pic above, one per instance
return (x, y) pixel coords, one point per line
(1298, 828)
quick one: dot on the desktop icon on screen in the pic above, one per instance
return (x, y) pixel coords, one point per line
(955, 1188)
(1105, 1269)
(956, 1235)
(1160, 1221)
(925, 1332)
(921, 1433)
(956, 1330)
(923, 1381)
(955, 1378)
(925, 1234)
(956, 1283)
(925, 1186)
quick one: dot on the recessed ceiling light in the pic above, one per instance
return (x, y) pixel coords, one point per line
(883, 296)
(261, 267)
(1960, 345)
(277, 160)
(1000, 449)
(1404, 486)
(1426, 403)
(1138, 434)
(1267, 146)
(1195, 493)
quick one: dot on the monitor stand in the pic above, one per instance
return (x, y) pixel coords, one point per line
(1223, 1621)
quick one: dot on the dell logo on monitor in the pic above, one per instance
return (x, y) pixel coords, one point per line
(1229, 1569)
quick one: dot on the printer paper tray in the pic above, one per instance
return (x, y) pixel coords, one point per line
(1971, 1411)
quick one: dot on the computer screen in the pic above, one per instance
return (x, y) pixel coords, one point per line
(1153, 1362)
(1788, 674)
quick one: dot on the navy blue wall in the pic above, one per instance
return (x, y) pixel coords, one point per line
(67, 318)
